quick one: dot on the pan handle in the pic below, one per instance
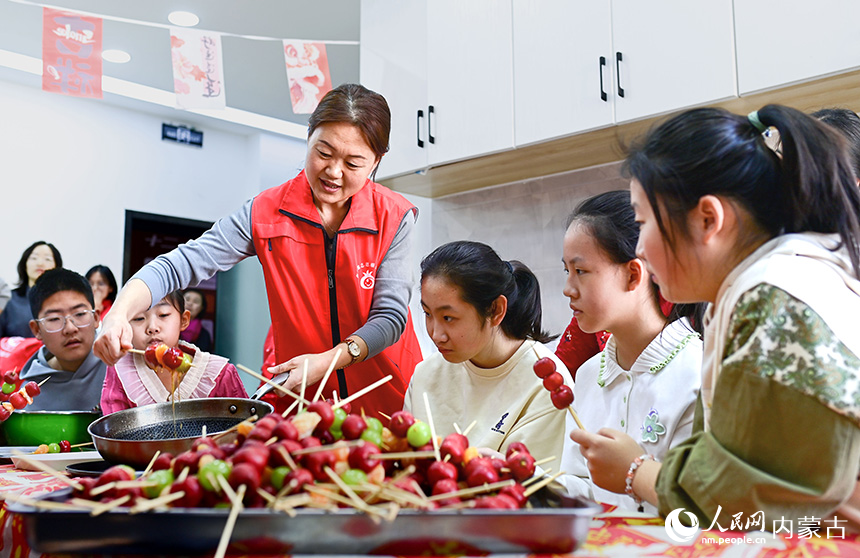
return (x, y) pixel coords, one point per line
(266, 388)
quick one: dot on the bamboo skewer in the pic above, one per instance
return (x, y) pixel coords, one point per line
(432, 427)
(469, 428)
(223, 433)
(362, 391)
(537, 486)
(475, 490)
(277, 386)
(43, 381)
(147, 505)
(404, 455)
(289, 409)
(531, 480)
(82, 445)
(152, 462)
(108, 506)
(327, 373)
(576, 418)
(544, 460)
(231, 522)
(304, 385)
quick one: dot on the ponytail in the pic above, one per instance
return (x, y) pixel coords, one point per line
(808, 187)
(482, 276)
(820, 190)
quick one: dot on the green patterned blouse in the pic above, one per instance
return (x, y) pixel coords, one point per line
(784, 438)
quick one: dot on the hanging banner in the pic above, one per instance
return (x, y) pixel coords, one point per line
(307, 73)
(198, 69)
(71, 54)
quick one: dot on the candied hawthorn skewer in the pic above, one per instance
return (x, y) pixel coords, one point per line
(553, 381)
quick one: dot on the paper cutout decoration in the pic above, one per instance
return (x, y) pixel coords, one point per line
(198, 69)
(71, 54)
(307, 73)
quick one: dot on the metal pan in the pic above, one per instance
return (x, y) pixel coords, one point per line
(555, 525)
(132, 436)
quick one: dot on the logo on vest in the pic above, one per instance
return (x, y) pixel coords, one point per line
(365, 274)
(498, 427)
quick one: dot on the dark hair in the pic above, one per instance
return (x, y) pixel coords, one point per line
(481, 275)
(848, 123)
(710, 151)
(357, 105)
(202, 298)
(54, 281)
(23, 279)
(611, 221)
(105, 272)
(175, 299)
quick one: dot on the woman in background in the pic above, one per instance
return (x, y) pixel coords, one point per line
(104, 288)
(36, 259)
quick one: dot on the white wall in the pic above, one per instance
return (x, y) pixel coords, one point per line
(71, 167)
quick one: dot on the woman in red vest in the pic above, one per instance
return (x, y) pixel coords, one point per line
(335, 248)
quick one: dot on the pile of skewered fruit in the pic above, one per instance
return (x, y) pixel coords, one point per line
(161, 355)
(325, 458)
(16, 398)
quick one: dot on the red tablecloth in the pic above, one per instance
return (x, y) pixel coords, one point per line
(614, 533)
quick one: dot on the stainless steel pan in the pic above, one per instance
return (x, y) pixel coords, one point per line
(132, 436)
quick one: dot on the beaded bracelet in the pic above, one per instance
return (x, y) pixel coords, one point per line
(631, 472)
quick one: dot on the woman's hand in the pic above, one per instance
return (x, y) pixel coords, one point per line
(114, 339)
(609, 454)
(317, 365)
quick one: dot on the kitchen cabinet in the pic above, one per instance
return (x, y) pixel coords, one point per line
(582, 65)
(445, 67)
(785, 41)
(563, 80)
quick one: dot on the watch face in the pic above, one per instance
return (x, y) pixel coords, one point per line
(353, 348)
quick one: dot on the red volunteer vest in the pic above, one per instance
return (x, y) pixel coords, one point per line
(313, 310)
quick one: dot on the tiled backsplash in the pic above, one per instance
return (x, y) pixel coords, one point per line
(525, 221)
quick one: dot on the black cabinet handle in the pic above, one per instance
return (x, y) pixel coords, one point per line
(418, 128)
(618, 73)
(430, 137)
(602, 92)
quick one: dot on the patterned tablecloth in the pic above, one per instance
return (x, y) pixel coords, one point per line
(614, 533)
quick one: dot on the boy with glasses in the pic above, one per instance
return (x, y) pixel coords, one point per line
(65, 321)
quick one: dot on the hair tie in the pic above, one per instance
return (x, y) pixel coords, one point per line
(509, 266)
(754, 120)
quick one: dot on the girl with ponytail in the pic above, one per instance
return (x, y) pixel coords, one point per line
(770, 240)
(484, 316)
(646, 380)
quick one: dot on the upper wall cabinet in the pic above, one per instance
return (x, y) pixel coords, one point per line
(445, 67)
(784, 41)
(670, 54)
(581, 65)
(563, 70)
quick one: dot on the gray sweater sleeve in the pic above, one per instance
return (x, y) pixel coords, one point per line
(391, 292)
(227, 243)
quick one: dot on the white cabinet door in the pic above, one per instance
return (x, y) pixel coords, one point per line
(469, 78)
(784, 41)
(563, 73)
(674, 53)
(393, 62)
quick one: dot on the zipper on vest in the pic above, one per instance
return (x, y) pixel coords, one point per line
(330, 259)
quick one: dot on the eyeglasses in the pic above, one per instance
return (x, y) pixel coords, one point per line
(53, 324)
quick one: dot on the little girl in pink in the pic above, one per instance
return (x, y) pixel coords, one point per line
(132, 383)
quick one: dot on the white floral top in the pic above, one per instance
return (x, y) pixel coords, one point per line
(653, 402)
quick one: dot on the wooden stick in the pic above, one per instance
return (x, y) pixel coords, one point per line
(44, 504)
(107, 506)
(544, 460)
(231, 522)
(146, 505)
(432, 427)
(475, 490)
(537, 486)
(337, 445)
(361, 392)
(304, 385)
(225, 486)
(327, 373)
(469, 428)
(151, 463)
(576, 418)
(43, 381)
(45, 469)
(233, 428)
(289, 409)
(536, 478)
(82, 445)
(404, 455)
(277, 386)
(282, 451)
(457, 428)
(357, 501)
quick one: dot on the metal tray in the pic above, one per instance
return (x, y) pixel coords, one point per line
(557, 524)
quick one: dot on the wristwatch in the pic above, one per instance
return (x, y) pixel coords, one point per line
(353, 349)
